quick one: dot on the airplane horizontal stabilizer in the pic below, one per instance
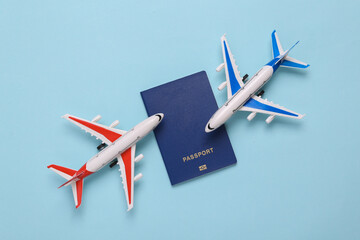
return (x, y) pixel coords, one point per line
(293, 63)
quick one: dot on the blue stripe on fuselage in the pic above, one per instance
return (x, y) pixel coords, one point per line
(275, 64)
(234, 84)
(252, 103)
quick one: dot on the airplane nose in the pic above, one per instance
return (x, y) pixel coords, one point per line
(208, 128)
(160, 115)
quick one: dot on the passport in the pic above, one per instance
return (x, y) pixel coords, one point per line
(187, 150)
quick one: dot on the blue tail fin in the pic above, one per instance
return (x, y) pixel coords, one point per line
(278, 51)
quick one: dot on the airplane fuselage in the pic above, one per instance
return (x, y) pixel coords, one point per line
(243, 95)
(119, 146)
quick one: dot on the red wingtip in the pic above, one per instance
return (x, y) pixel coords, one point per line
(50, 166)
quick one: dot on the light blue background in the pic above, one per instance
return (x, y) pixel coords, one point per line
(295, 179)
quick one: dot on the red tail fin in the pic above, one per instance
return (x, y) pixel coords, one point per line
(75, 178)
(71, 177)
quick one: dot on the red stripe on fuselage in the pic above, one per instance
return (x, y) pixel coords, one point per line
(112, 136)
(84, 173)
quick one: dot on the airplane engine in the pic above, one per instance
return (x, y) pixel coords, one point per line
(251, 116)
(269, 119)
(114, 124)
(97, 118)
(245, 77)
(113, 163)
(138, 177)
(138, 158)
(101, 146)
(220, 67)
(261, 93)
(222, 86)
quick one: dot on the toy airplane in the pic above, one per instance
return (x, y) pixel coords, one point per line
(120, 146)
(242, 96)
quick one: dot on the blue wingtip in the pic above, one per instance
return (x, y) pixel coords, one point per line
(308, 65)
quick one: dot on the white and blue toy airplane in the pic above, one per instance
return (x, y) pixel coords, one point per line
(247, 96)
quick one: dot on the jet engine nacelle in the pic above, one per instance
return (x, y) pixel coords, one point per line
(138, 177)
(221, 86)
(97, 118)
(220, 67)
(251, 116)
(245, 77)
(269, 119)
(138, 158)
(114, 124)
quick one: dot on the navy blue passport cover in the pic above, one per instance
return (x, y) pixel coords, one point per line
(187, 150)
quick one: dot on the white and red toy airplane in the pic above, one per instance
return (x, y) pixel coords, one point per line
(120, 145)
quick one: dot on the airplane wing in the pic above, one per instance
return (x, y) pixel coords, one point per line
(233, 80)
(102, 132)
(258, 105)
(126, 162)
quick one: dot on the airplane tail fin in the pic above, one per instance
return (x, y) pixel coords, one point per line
(278, 50)
(70, 176)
